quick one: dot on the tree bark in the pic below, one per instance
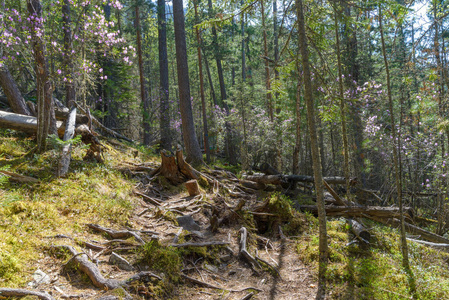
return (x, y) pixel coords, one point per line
(317, 172)
(203, 101)
(64, 161)
(143, 92)
(163, 77)
(267, 68)
(193, 152)
(46, 122)
(12, 93)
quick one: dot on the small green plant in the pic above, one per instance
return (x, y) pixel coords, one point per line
(56, 143)
(3, 177)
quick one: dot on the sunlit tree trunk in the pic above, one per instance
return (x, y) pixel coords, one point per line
(163, 77)
(318, 176)
(203, 101)
(70, 95)
(193, 152)
(342, 107)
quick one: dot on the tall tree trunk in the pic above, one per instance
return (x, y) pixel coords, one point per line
(163, 77)
(342, 107)
(317, 173)
(218, 58)
(296, 152)
(203, 101)
(405, 260)
(12, 93)
(209, 77)
(143, 92)
(68, 57)
(244, 154)
(267, 68)
(193, 152)
(46, 122)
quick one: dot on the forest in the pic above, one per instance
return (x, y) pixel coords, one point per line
(296, 147)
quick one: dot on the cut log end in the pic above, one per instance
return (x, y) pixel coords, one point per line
(193, 188)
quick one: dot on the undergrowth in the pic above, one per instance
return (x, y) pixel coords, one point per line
(30, 213)
(374, 271)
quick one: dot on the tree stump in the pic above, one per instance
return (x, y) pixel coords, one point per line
(193, 187)
(169, 168)
(175, 168)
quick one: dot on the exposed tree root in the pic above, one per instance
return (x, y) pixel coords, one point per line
(116, 234)
(211, 286)
(92, 271)
(19, 293)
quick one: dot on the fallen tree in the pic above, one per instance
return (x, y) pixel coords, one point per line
(359, 211)
(27, 124)
(287, 179)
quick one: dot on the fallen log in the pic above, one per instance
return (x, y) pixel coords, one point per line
(64, 161)
(412, 229)
(434, 245)
(359, 211)
(285, 179)
(27, 124)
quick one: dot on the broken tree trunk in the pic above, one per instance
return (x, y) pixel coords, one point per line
(64, 161)
(24, 123)
(360, 231)
(175, 168)
(359, 211)
(12, 92)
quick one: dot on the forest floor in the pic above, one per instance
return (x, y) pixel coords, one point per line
(37, 218)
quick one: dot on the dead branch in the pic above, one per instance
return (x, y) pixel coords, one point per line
(7, 292)
(104, 128)
(200, 244)
(243, 252)
(269, 265)
(19, 178)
